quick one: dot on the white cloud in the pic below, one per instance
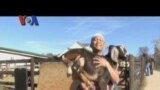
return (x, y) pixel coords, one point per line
(80, 24)
(86, 27)
(82, 29)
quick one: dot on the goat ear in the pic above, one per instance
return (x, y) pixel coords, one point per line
(65, 59)
(114, 54)
(122, 49)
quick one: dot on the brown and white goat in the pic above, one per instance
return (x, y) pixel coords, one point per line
(84, 75)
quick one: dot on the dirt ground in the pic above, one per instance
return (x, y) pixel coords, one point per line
(53, 76)
(153, 81)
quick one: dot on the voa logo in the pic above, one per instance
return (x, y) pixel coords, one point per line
(32, 20)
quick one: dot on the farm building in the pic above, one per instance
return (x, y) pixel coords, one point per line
(75, 46)
(17, 54)
(9, 57)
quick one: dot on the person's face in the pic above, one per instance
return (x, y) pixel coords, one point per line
(97, 43)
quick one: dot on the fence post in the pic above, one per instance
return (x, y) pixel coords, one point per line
(126, 74)
(20, 79)
(142, 68)
(131, 73)
(32, 73)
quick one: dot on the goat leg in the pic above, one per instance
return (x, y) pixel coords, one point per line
(102, 83)
(84, 86)
(85, 80)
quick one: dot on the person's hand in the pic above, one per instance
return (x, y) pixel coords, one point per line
(79, 63)
(80, 60)
(100, 61)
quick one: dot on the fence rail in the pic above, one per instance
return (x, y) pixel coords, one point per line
(131, 75)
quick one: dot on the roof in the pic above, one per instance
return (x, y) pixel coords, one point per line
(77, 45)
(83, 44)
(22, 53)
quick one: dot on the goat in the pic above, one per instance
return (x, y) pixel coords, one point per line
(89, 72)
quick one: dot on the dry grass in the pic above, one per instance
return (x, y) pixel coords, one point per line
(4, 88)
(144, 83)
(157, 68)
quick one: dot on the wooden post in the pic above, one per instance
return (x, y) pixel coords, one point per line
(32, 73)
(131, 73)
(126, 74)
(142, 69)
(14, 65)
(20, 79)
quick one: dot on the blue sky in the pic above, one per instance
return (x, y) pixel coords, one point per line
(55, 34)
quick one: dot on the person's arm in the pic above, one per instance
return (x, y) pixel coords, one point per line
(104, 63)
